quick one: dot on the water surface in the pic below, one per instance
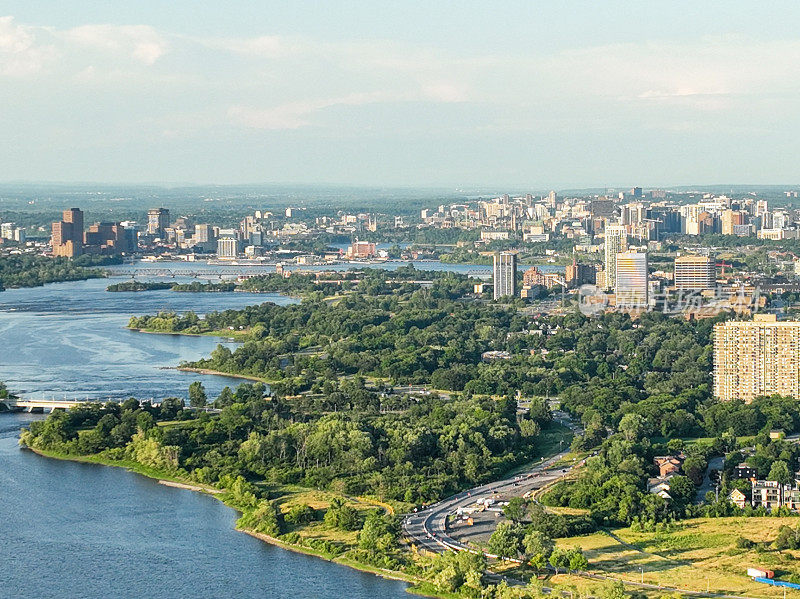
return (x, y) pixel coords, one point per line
(68, 340)
(73, 530)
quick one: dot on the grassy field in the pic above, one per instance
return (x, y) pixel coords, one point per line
(696, 554)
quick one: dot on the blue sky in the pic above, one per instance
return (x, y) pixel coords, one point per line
(452, 94)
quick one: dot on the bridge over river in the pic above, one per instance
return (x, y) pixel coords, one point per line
(15, 404)
(236, 272)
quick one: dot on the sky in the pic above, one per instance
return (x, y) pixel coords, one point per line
(458, 95)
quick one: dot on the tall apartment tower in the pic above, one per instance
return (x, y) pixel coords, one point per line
(203, 233)
(616, 243)
(631, 287)
(758, 357)
(505, 274)
(74, 216)
(157, 221)
(67, 235)
(695, 272)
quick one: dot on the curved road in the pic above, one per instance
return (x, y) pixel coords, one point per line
(427, 528)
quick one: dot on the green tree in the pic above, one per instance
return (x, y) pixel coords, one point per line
(538, 547)
(225, 398)
(633, 427)
(559, 559)
(342, 516)
(577, 561)
(197, 395)
(780, 472)
(379, 533)
(682, 489)
(300, 514)
(614, 590)
(516, 509)
(170, 406)
(506, 540)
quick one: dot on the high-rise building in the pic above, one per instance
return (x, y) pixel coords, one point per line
(505, 274)
(633, 213)
(361, 249)
(755, 358)
(576, 274)
(227, 247)
(107, 238)
(631, 286)
(616, 241)
(695, 272)
(730, 219)
(602, 206)
(75, 217)
(203, 233)
(157, 221)
(67, 235)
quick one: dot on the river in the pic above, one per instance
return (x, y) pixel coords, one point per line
(68, 340)
(93, 532)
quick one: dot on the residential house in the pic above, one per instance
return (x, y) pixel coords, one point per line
(737, 498)
(745, 471)
(667, 465)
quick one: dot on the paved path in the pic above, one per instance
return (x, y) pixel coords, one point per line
(714, 463)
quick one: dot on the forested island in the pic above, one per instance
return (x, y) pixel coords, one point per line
(139, 286)
(195, 287)
(27, 270)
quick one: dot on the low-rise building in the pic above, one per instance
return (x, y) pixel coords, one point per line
(667, 465)
(737, 498)
(745, 471)
(772, 495)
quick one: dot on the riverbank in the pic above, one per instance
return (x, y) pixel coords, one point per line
(246, 377)
(170, 480)
(237, 336)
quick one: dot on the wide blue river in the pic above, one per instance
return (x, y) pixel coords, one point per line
(72, 530)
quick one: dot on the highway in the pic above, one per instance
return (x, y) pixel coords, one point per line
(427, 528)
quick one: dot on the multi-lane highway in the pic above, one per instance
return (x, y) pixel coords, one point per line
(427, 528)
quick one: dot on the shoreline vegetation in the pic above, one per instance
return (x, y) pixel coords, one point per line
(417, 585)
(623, 551)
(312, 483)
(195, 287)
(225, 374)
(26, 270)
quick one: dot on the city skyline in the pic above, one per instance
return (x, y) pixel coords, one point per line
(531, 96)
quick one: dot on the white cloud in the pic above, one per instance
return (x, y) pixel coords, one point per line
(445, 92)
(265, 46)
(293, 115)
(142, 43)
(20, 55)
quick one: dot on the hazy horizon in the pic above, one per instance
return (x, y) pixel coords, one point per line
(452, 96)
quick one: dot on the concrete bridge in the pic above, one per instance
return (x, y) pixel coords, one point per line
(16, 404)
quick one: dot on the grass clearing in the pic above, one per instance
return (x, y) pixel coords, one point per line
(695, 555)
